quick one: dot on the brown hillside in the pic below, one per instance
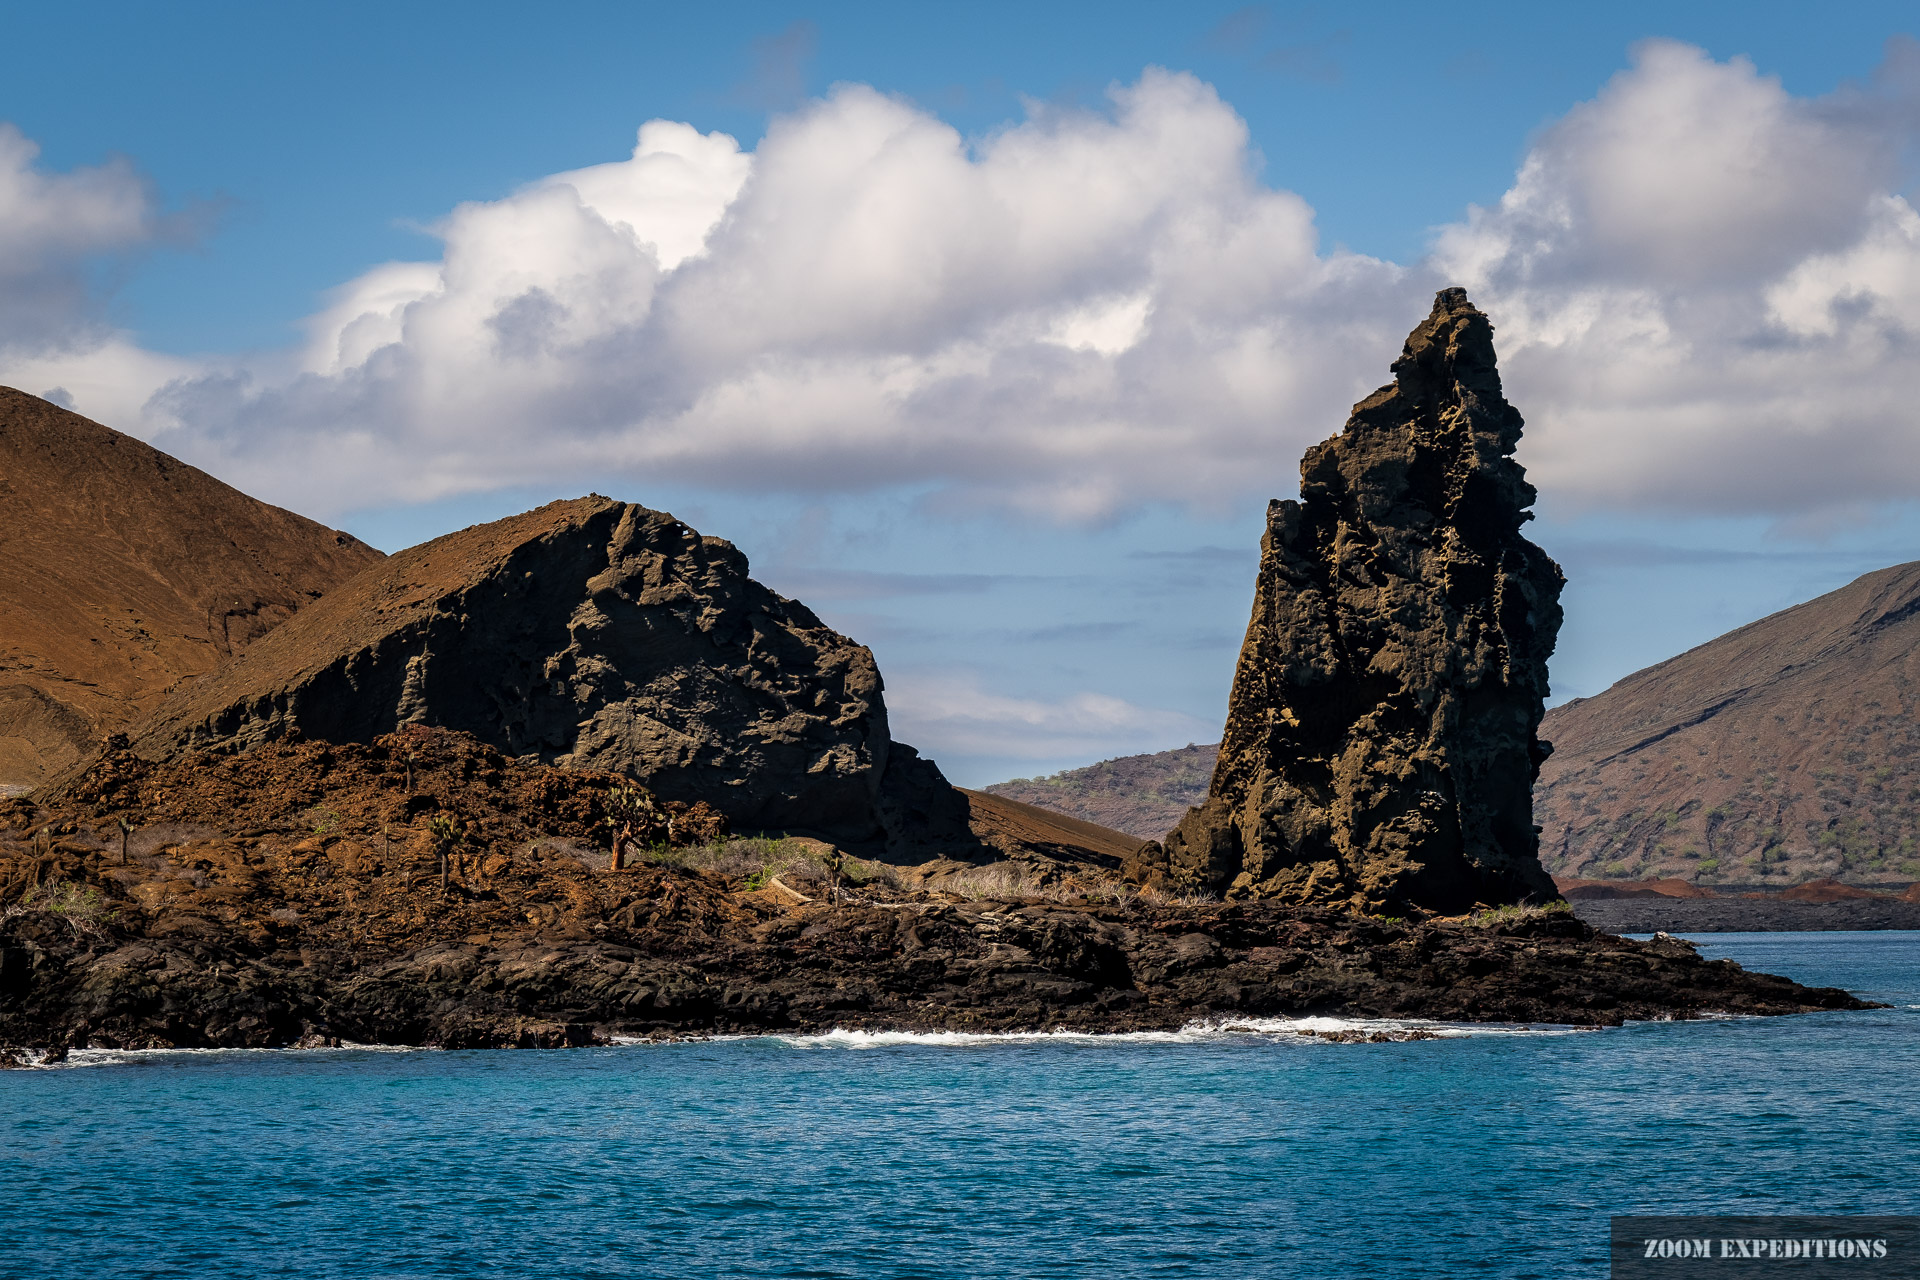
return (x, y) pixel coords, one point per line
(123, 571)
(1786, 749)
(1141, 795)
(1022, 830)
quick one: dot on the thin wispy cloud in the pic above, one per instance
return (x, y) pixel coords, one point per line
(970, 720)
(865, 584)
(779, 77)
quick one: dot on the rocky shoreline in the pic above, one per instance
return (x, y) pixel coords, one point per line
(686, 956)
(423, 889)
(1745, 915)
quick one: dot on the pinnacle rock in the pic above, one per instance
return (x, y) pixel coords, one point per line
(1380, 746)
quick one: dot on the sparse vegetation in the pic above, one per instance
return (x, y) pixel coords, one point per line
(81, 905)
(448, 832)
(808, 867)
(805, 866)
(1010, 881)
(632, 817)
(1513, 913)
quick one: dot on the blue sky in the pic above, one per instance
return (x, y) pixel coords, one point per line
(1047, 537)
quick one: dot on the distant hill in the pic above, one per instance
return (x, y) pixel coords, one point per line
(124, 571)
(1787, 750)
(1142, 795)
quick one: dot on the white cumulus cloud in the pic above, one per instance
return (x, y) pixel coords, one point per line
(1706, 289)
(1041, 318)
(53, 229)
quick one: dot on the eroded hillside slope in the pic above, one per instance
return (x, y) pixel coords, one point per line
(1142, 795)
(124, 571)
(1785, 750)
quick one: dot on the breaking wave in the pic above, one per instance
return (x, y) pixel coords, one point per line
(1206, 1031)
(1303, 1031)
(156, 1057)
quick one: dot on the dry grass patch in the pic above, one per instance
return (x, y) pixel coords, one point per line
(1012, 881)
(801, 864)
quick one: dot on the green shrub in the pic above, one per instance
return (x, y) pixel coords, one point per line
(1513, 912)
(80, 905)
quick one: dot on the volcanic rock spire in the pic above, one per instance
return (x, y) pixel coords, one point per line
(1380, 747)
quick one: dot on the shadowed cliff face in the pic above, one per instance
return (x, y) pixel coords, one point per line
(1380, 745)
(598, 635)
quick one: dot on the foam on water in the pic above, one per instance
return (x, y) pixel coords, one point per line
(1310, 1030)
(842, 1038)
(157, 1057)
(1302, 1031)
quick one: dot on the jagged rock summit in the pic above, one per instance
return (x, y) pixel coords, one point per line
(124, 571)
(1380, 743)
(601, 635)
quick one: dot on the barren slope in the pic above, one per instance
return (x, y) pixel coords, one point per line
(1141, 795)
(122, 571)
(1018, 829)
(1785, 749)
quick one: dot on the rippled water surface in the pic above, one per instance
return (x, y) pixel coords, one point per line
(1225, 1153)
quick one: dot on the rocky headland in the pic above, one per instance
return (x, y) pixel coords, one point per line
(576, 775)
(424, 888)
(596, 635)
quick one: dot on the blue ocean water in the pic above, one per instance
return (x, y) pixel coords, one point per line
(1224, 1153)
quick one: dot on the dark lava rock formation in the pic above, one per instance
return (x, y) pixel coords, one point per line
(1380, 744)
(124, 571)
(599, 635)
(1785, 750)
(293, 894)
